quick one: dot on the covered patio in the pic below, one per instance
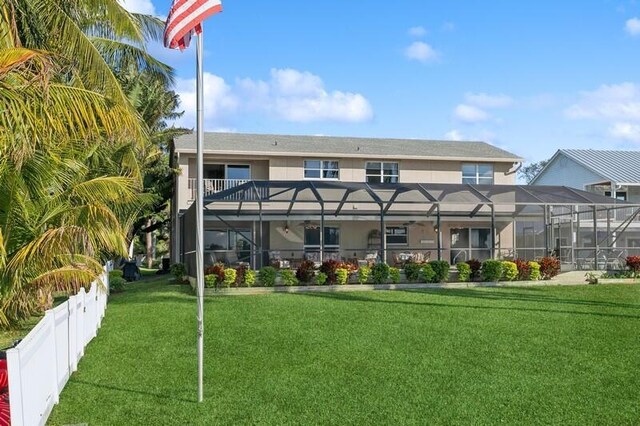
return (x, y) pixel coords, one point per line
(583, 229)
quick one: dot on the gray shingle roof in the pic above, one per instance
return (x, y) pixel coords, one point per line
(261, 144)
(617, 166)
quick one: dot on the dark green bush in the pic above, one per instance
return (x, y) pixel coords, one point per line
(288, 277)
(440, 269)
(179, 271)
(380, 273)
(491, 270)
(464, 271)
(117, 284)
(116, 273)
(427, 273)
(267, 276)
(412, 271)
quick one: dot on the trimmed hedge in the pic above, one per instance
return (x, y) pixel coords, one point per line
(464, 271)
(491, 270)
(509, 270)
(441, 270)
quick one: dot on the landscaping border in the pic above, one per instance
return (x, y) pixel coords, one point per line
(246, 291)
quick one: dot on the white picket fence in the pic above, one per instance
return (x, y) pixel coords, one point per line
(41, 364)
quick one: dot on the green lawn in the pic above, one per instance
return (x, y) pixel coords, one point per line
(567, 355)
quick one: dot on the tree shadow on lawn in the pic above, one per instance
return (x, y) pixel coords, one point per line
(355, 297)
(171, 397)
(501, 294)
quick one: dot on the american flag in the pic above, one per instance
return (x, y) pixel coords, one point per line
(185, 18)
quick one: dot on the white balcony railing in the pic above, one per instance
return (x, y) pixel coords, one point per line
(211, 186)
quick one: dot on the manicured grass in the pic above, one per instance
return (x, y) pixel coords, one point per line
(562, 355)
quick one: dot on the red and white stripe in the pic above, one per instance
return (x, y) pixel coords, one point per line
(186, 17)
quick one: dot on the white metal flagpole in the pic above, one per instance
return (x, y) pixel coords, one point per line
(199, 214)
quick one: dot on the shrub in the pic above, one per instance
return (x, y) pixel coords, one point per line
(394, 275)
(321, 278)
(329, 267)
(491, 270)
(633, 263)
(210, 280)
(216, 269)
(116, 273)
(363, 274)
(342, 275)
(428, 274)
(288, 277)
(412, 271)
(350, 267)
(380, 273)
(178, 270)
(464, 271)
(241, 271)
(249, 278)
(117, 284)
(549, 267)
(441, 270)
(534, 271)
(229, 277)
(306, 271)
(267, 276)
(523, 269)
(475, 266)
(509, 270)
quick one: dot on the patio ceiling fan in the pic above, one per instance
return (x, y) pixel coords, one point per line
(307, 224)
(413, 222)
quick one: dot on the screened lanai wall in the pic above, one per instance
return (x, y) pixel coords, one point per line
(259, 221)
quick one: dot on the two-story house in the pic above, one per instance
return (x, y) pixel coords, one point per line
(288, 198)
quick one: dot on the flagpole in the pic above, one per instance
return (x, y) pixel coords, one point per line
(199, 214)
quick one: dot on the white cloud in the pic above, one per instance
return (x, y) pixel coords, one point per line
(301, 97)
(139, 6)
(484, 100)
(454, 135)
(289, 95)
(421, 52)
(219, 101)
(418, 31)
(615, 102)
(626, 131)
(632, 26)
(470, 114)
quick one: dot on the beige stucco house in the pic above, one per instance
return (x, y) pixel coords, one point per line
(288, 198)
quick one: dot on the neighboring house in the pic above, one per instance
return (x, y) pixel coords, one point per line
(612, 173)
(277, 197)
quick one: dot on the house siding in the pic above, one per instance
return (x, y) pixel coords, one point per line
(567, 172)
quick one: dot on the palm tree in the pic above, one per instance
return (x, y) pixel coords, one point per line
(67, 200)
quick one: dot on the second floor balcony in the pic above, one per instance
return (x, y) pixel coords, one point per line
(211, 186)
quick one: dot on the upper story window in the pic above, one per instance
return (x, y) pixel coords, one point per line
(321, 169)
(381, 172)
(480, 173)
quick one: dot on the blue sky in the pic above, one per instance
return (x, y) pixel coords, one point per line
(528, 76)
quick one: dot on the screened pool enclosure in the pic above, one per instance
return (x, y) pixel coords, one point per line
(259, 222)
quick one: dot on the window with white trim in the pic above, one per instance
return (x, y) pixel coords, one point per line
(396, 236)
(477, 173)
(321, 169)
(382, 172)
